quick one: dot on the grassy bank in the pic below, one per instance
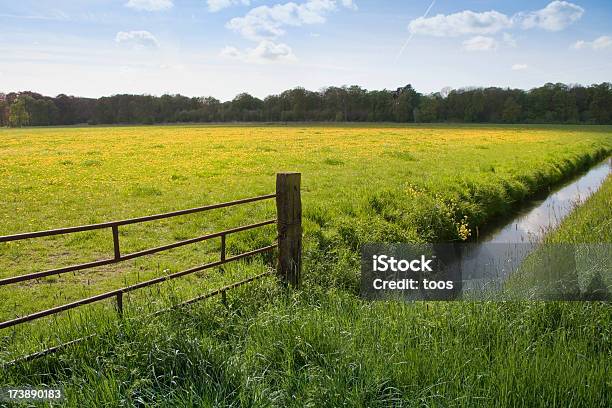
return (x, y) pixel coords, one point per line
(591, 223)
(322, 346)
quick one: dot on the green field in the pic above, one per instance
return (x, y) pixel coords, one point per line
(322, 345)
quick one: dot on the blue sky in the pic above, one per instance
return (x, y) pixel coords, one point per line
(223, 47)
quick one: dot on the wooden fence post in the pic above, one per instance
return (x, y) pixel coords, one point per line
(289, 224)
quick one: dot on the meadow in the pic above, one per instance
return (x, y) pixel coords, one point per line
(321, 345)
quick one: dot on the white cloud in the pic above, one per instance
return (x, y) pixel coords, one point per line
(519, 67)
(137, 39)
(554, 17)
(480, 43)
(600, 43)
(216, 5)
(270, 51)
(150, 5)
(509, 40)
(231, 52)
(349, 4)
(267, 22)
(462, 23)
(266, 51)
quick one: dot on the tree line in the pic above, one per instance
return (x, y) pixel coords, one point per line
(551, 103)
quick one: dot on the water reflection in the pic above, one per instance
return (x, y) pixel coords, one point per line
(542, 215)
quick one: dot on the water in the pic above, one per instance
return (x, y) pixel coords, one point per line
(488, 263)
(540, 216)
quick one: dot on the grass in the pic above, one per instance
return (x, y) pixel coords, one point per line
(334, 350)
(321, 346)
(591, 223)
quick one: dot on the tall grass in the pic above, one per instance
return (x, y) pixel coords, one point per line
(332, 349)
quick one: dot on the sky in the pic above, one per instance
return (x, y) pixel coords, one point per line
(224, 47)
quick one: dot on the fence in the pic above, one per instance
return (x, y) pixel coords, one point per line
(288, 221)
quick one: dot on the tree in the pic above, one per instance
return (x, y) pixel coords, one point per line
(246, 107)
(406, 101)
(430, 109)
(18, 115)
(551, 103)
(512, 111)
(41, 111)
(380, 106)
(209, 110)
(357, 104)
(335, 103)
(4, 110)
(601, 103)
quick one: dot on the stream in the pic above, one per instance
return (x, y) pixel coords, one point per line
(488, 262)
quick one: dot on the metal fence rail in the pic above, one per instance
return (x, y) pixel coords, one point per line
(289, 244)
(118, 293)
(114, 225)
(120, 258)
(111, 224)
